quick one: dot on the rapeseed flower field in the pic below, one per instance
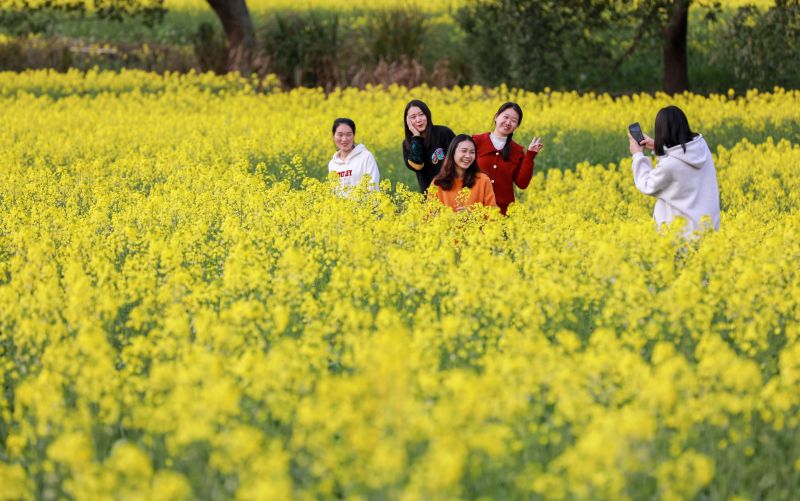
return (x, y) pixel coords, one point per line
(187, 310)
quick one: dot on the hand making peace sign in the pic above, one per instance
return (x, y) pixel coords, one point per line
(536, 145)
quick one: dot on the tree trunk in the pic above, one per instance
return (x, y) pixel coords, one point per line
(239, 32)
(676, 70)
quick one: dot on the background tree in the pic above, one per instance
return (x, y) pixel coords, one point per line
(239, 33)
(538, 43)
(675, 58)
(668, 20)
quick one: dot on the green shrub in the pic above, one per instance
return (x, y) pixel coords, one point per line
(41, 17)
(762, 46)
(538, 43)
(392, 34)
(318, 48)
(305, 48)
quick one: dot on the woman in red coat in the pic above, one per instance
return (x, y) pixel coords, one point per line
(506, 162)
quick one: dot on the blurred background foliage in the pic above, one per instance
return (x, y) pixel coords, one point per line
(613, 46)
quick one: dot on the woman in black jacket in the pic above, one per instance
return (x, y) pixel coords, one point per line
(425, 145)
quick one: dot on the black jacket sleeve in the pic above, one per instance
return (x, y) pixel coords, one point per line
(414, 156)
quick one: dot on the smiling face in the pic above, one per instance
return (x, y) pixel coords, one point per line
(506, 122)
(463, 156)
(343, 138)
(417, 118)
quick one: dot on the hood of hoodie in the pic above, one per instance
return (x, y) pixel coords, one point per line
(696, 154)
(357, 150)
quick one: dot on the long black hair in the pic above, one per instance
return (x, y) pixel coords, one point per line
(447, 174)
(427, 112)
(504, 107)
(672, 129)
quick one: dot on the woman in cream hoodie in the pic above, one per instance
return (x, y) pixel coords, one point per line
(351, 161)
(685, 180)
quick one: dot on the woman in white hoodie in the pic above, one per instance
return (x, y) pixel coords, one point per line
(351, 161)
(685, 180)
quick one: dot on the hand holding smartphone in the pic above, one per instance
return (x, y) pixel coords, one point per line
(636, 132)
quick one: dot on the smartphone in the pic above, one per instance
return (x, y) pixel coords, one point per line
(636, 132)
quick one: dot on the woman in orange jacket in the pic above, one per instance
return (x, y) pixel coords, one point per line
(459, 171)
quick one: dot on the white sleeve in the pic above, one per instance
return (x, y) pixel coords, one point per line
(648, 180)
(372, 171)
